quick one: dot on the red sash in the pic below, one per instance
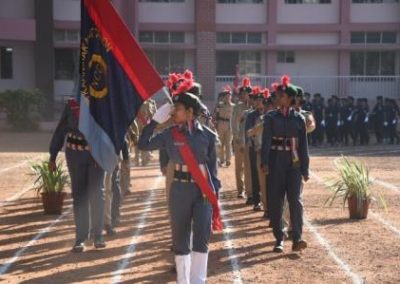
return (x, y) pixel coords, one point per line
(75, 107)
(199, 178)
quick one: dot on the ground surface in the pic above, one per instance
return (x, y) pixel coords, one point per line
(34, 248)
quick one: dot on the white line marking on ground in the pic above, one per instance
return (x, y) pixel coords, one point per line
(387, 185)
(16, 196)
(355, 278)
(237, 277)
(19, 164)
(6, 266)
(386, 223)
(130, 251)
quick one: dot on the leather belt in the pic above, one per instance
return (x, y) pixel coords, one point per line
(181, 173)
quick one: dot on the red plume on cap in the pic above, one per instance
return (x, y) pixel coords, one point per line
(275, 86)
(188, 74)
(173, 78)
(227, 89)
(266, 93)
(246, 82)
(285, 80)
(184, 85)
(256, 90)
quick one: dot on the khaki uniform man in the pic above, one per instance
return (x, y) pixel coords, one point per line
(239, 146)
(144, 115)
(223, 114)
(246, 160)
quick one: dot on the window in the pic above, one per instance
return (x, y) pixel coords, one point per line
(162, 1)
(373, 37)
(239, 38)
(286, 57)
(240, 1)
(372, 63)
(66, 35)
(6, 63)
(167, 61)
(66, 63)
(307, 1)
(249, 62)
(375, 1)
(161, 37)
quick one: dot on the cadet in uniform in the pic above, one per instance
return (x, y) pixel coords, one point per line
(285, 159)
(331, 120)
(86, 175)
(378, 113)
(188, 207)
(318, 111)
(251, 121)
(223, 113)
(238, 136)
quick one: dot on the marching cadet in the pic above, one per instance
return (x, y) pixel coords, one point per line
(285, 159)
(360, 122)
(391, 121)
(223, 114)
(318, 111)
(256, 134)
(251, 121)
(378, 114)
(238, 137)
(191, 147)
(86, 175)
(143, 117)
(345, 121)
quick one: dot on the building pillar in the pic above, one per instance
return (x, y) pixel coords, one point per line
(44, 53)
(206, 39)
(271, 56)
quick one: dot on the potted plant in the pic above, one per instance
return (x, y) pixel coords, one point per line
(354, 186)
(51, 185)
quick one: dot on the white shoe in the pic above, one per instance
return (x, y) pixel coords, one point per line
(198, 272)
(182, 268)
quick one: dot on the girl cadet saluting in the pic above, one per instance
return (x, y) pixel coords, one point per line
(192, 203)
(285, 157)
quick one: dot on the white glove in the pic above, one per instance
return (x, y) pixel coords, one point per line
(163, 113)
(394, 121)
(385, 123)
(366, 119)
(339, 123)
(323, 123)
(349, 118)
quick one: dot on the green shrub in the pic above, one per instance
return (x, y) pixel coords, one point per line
(22, 108)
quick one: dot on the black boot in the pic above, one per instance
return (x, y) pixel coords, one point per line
(99, 242)
(299, 245)
(278, 248)
(78, 247)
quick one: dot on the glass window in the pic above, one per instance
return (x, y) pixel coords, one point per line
(161, 37)
(66, 63)
(177, 37)
(357, 63)
(373, 37)
(166, 61)
(286, 57)
(388, 60)
(240, 1)
(307, 1)
(6, 63)
(357, 37)
(254, 38)
(73, 35)
(250, 62)
(226, 62)
(223, 37)
(146, 36)
(238, 37)
(389, 37)
(372, 63)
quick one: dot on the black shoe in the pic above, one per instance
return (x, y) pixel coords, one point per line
(109, 230)
(228, 164)
(249, 201)
(240, 195)
(257, 207)
(78, 247)
(99, 243)
(266, 215)
(299, 245)
(278, 248)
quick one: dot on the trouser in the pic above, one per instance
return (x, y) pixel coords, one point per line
(361, 133)
(262, 181)
(379, 131)
(346, 132)
(87, 193)
(112, 198)
(125, 176)
(239, 165)
(284, 179)
(144, 155)
(190, 211)
(318, 134)
(247, 173)
(225, 149)
(331, 132)
(254, 175)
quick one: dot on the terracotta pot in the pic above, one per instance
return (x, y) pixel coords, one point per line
(53, 202)
(358, 211)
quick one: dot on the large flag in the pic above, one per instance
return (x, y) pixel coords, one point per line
(116, 77)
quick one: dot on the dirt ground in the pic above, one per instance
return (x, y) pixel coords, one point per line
(35, 248)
